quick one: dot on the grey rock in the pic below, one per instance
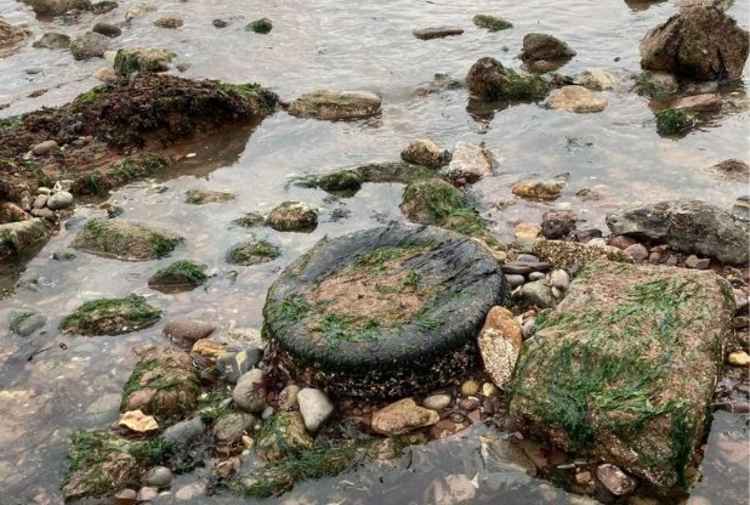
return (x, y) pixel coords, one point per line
(689, 226)
(267, 413)
(89, 45)
(535, 276)
(437, 401)
(559, 279)
(232, 366)
(182, 433)
(60, 200)
(24, 322)
(250, 392)
(514, 280)
(159, 477)
(315, 408)
(535, 293)
(230, 428)
(185, 332)
(44, 148)
(527, 258)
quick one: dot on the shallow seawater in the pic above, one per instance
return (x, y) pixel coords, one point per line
(52, 384)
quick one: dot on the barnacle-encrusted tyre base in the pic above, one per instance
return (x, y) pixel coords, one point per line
(383, 312)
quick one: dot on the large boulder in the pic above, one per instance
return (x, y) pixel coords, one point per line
(336, 105)
(125, 240)
(690, 226)
(701, 43)
(383, 312)
(624, 369)
(488, 80)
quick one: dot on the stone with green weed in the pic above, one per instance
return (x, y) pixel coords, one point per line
(111, 316)
(293, 216)
(491, 23)
(201, 197)
(489, 80)
(671, 122)
(180, 275)
(262, 26)
(125, 240)
(252, 252)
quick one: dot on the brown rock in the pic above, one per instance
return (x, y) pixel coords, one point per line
(537, 189)
(185, 332)
(707, 102)
(701, 43)
(576, 99)
(615, 480)
(402, 417)
(558, 223)
(500, 343)
(209, 349)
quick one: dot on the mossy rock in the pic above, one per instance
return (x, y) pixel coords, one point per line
(250, 220)
(99, 182)
(252, 252)
(623, 370)
(111, 316)
(347, 182)
(671, 122)
(262, 26)
(182, 275)
(489, 80)
(125, 240)
(491, 23)
(129, 61)
(282, 435)
(163, 384)
(201, 197)
(383, 312)
(293, 216)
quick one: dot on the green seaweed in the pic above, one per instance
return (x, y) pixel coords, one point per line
(673, 122)
(116, 315)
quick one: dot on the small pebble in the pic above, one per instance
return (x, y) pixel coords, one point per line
(739, 358)
(489, 389)
(437, 401)
(469, 388)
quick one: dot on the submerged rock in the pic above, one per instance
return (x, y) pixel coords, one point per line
(540, 46)
(252, 252)
(488, 80)
(24, 322)
(336, 105)
(701, 43)
(539, 189)
(638, 402)
(293, 216)
(201, 197)
(262, 26)
(169, 22)
(125, 240)
(596, 79)
(111, 316)
(733, 169)
(179, 276)
(491, 23)
(402, 417)
(163, 384)
(108, 30)
(129, 61)
(436, 32)
(427, 153)
(674, 122)
(576, 99)
(89, 45)
(470, 163)
(500, 344)
(689, 226)
(52, 40)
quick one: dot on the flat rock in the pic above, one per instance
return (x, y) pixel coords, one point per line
(706, 102)
(689, 226)
(25, 322)
(185, 332)
(436, 32)
(402, 417)
(569, 381)
(536, 293)
(538, 189)
(596, 79)
(125, 240)
(576, 99)
(336, 105)
(52, 40)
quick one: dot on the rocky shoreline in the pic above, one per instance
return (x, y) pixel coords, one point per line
(599, 351)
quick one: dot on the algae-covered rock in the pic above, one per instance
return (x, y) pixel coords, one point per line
(674, 121)
(435, 201)
(22, 237)
(293, 216)
(488, 80)
(111, 316)
(336, 105)
(491, 23)
(383, 312)
(252, 252)
(89, 45)
(690, 226)
(262, 26)
(427, 153)
(163, 384)
(179, 276)
(125, 240)
(701, 43)
(128, 61)
(201, 196)
(346, 182)
(282, 435)
(343, 182)
(623, 370)
(101, 463)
